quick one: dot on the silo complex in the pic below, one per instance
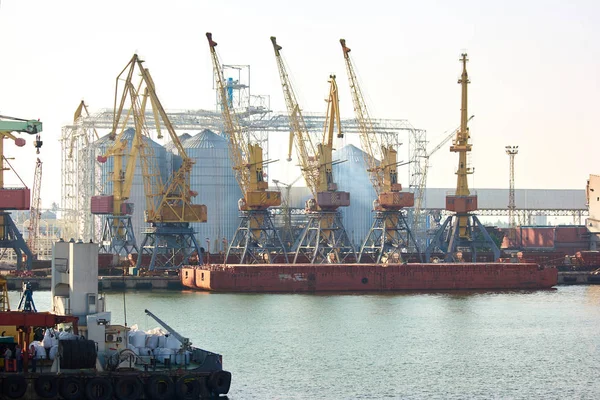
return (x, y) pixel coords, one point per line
(103, 177)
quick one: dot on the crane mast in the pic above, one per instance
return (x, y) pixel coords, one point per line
(256, 240)
(461, 143)
(419, 200)
(390, 233)
(315, 157)
(459, 232)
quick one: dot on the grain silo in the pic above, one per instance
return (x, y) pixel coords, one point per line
(103, 177)
(173, 159)
(213, 179)
(352, 176)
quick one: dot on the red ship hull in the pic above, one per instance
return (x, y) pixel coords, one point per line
(367, 277)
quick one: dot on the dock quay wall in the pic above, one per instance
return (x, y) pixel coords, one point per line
(115, 283)
(105, 283)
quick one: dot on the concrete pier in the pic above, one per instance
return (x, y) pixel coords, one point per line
(106, 283)
(578, 278)
(114, 283)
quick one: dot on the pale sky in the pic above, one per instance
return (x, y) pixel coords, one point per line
(534, 68)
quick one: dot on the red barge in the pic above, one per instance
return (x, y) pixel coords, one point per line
(367, 277)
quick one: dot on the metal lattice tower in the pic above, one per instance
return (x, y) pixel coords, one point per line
(417, 167)
(512, 151)
(251, 109)
(80, 176)
(34, 219)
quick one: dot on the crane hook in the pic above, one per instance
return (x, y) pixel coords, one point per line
(38, 143)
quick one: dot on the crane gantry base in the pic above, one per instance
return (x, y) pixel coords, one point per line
(170, 246)
(448, 241)
(324, 240)
(117, 236)
(389, 237)
(256, 241)
(11, 238)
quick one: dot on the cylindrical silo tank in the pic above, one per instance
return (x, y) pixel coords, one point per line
(137, 195)
(352, 176)
(212, 177)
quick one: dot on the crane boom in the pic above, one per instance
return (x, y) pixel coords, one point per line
(34, 218)
(383, 173)
(447, 138)
(369, 140)
(247, 158)
(307, 151)
(184, 341)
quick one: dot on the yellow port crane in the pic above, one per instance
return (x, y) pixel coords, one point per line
(390, 235)
(462, 231)
(324, 239)
(15, 198)
(256, 239)
(118, 236)
(170, 240)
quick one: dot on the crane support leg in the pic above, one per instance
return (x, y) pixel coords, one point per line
(324, 240)
(449, 239)
(117, 236)
(11, 238)
(256, 241)
(169, 245)
(390, 240)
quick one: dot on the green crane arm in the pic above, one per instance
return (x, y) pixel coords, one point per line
(11, 124)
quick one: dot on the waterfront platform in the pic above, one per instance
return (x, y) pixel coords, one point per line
(116, 283)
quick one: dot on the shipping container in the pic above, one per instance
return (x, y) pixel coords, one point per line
(571, 234)
(102, 204)
(15, 198)
(540, 237)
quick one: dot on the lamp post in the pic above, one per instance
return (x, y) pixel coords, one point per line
(512, 152)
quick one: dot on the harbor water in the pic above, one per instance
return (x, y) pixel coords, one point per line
(503, 345)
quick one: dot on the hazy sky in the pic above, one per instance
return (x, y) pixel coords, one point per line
(534, 68)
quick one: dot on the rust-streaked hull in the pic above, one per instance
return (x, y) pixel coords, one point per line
(367, 277)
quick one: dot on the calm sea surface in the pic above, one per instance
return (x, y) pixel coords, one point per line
(508, 345)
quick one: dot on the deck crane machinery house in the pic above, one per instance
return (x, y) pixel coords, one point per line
(462, 231)
(15, 198)
(390, 235)
(255, 240)
(169, 241)
(324, 238)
